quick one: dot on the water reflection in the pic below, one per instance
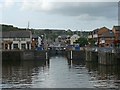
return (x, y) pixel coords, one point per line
(104, 76)
(20, 73)
(58, 72)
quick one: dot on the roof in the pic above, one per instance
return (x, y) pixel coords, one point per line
(108, 34)
(34, 36)
(116, 27)
(104, 28)
(95, 31)
(98, 30)
(16, 34)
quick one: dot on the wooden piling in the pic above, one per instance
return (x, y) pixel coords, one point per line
(107, 58)
(91, 56)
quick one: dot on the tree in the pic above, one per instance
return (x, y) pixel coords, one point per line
(91, 42)
(82, 41)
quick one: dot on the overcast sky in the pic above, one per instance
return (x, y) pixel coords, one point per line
(74, 15)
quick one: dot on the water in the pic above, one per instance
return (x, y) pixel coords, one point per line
(58, 72)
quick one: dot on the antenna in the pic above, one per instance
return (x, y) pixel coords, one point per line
(28, 25)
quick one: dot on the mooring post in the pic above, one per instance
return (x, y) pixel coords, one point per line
(46, 54)
(71, 54)
(70, 62)
(46, 62)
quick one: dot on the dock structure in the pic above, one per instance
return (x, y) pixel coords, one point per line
(23, 55)
(107, 58)
(104, 56)
(11, 55)
(91, 55)
(75, 55)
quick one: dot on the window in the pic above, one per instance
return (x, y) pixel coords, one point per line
(23, 39)
(15, 46)
(23, 46)
(103, 38)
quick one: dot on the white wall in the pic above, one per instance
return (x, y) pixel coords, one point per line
(19, 41)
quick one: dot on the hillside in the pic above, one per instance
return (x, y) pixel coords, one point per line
(49, 33)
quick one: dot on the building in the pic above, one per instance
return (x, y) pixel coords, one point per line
(74, 38)
(101, 36)
(97, 35)
(106, 39)
(116, 30)
(62, 40)
(16, 40)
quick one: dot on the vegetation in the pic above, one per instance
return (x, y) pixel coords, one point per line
(9, 28)
(91, 42)
(82, 41)
(48, 33)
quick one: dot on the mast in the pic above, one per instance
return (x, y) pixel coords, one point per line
(28, 25)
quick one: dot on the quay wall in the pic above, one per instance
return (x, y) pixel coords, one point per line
(23, 55)
(11, 55)
(107, 58)
(41, 55)
(91, 56)
(75, 55)
(104, 56)
(101, 56)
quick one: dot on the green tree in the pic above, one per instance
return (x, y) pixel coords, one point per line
(91, 42)
(82, 41)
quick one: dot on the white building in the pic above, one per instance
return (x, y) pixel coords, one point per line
(74, 38)
(16, 40)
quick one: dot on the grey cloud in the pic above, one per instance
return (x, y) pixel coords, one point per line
(94, 9)
(108, 10)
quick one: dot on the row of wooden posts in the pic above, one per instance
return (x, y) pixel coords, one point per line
(104, 58)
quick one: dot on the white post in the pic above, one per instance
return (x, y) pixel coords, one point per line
(71, 62)
(71, 55)
(46, 55)
(46, 63)
(19, 45)
(12, 46)
(30, 46)
(26, 46)
(8, 47)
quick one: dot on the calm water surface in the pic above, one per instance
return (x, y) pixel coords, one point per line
(58, 72)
